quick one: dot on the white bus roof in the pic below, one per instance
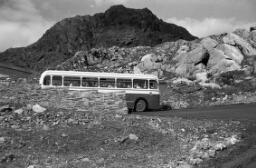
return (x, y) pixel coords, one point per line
(99, 74)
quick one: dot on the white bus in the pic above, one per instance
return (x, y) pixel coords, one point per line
(142, 91)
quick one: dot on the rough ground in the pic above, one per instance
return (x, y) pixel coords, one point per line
(65, 138)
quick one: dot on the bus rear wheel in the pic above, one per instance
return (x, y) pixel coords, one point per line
(140, 105)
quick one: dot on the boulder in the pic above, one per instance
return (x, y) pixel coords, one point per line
(242, 33)
(149, 62)
(202, 77)
(186, 62)
(231, 53)
(208, 43)
(244, 46)
(219, 62)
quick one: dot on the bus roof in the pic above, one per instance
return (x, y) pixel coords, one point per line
(99, 74)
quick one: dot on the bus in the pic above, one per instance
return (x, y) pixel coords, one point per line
(142, 91)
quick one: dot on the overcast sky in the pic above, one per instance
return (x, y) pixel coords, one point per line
(22, 22)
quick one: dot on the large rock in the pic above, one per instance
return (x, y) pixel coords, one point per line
(231, 53)
(209, 43)
(244, 46)
(150, 62)
(219, 62)
(212, 55)
(186, 63)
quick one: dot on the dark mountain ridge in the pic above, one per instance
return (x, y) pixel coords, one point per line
(118, 26)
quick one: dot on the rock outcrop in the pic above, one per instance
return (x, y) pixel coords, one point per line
(211, 56)
(118, 26)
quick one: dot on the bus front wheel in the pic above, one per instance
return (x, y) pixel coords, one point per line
(140, 105)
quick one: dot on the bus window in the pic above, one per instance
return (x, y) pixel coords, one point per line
(47, 80)
(57, 80)
(71, 81)
(90, 82)
(107, 82)
(124, 83)
(140, 84)
(152, 84)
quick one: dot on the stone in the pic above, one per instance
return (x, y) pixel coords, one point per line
(219, 146)
(201, 77)
(133, 137)
(232, 140)
(219, 62)
(211, 153)
(64, 135)
(33, 166)
(38, 109)
(85, 160)
(195, 161)
(29, 106)
(210, 85)
(235, 40)
(186, 62)
(245, 34)
(209, 43)
(231, 52)
(2, 140)
(19, 111)
(148, 62)
(182, 80)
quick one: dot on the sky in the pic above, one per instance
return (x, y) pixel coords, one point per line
(23, 22)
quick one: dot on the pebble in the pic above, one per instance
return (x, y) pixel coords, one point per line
(133, 137)
(2, 140)
(38, 109)
(19, 111)
(85, 160)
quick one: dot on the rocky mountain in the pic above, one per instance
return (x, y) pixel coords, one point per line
(118, 26)
(202, 59)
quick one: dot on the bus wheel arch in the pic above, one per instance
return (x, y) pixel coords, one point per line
(140, 105)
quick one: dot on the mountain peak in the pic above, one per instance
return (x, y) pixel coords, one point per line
(117, 26)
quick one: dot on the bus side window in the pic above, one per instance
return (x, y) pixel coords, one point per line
(153, 84)
(71, 81)
(47, 80)
(107, 82)
(140, 83)
(90, 82)
(57, 80)
(124, 83)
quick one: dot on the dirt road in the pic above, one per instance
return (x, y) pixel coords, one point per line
(242, 155)
(239, 112)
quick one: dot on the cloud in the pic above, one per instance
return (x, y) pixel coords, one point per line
(20, 24)
(209, 26)
(103, 2)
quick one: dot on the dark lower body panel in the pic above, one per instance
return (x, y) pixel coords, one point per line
(152, 100)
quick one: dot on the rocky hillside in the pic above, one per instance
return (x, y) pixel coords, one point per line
(118, 26)
(202, 59)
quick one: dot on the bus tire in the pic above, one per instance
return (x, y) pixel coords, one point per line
(140, 105)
